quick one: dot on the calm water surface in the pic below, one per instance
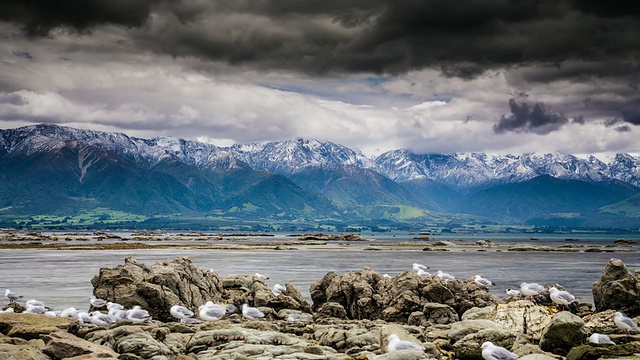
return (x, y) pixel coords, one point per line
(62, 278)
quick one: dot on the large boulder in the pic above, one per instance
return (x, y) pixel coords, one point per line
(30, 326)
(563, 332)
(617, 289)
(367, 294)
(166, 283)
(599, 351)
(521, 316)
(466, 337)
(62, 345)
(360, 293)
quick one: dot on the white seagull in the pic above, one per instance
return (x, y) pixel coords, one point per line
(34, 309)
(512, 292)
(416, 267)
(444, 275)
(478, 279)
(492, 352)
(211, 311)
(600, 339)
(180, 312)
(98, 303)
(138, 315)
(101, 319)
(278, 289)
(114, 306)
(531, 289)
(624, 323)
(34, 302)
(11, 296)
(387, 276)
(260, 276)
(396, 344)
(559, 297)
(422, 273)
(251, 312)
(69, 313)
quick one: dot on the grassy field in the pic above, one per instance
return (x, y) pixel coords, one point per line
(99, 216)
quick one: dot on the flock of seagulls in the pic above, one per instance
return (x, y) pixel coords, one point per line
(213, 312)
(114, 311)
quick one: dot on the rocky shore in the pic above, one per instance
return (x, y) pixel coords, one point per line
(350, 317)
(99, 240)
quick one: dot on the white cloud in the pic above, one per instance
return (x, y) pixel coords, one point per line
(149, 95)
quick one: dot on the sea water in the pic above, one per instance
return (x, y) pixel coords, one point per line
(62, 278)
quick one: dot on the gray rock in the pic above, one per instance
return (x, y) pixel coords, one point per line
(402, 355)
(156, 289)
(134, 340)
(62, 345)
(599, 351)
(439, 313)
(563, 332)
(466, 337)
(521, 316)
(617, 289)
(417, 318)
(332, 309)
(368, 295)
(21, 352)
(600, 322)
(537, 357)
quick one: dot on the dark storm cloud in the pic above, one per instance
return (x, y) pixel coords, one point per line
(463, 38)
(526, 117)
(39, 17)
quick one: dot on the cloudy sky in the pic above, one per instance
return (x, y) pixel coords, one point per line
(498, 76)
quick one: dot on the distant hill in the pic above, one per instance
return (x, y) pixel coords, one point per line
(537, 197)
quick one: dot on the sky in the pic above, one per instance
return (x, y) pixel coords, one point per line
(433, 76)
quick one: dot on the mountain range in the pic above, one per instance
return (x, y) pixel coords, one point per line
(62, 171)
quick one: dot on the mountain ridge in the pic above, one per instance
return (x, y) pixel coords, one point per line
(301, 178)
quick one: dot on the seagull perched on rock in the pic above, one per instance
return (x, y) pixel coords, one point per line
(84, 317)
(251, 312)
(625, 323)
(492, 352)
(101, 319)
(69, 313)
(512, 292)
(114, 306)
(444, 275)
(211, 311)
(11, 296)
(278, 289)
(531, 289)
(34, 302)
(560, 297)
(260, 276)
(396, 344)
(138, 315)
(478, 279)
(600, 339)
(34, 309)
(387, 276)
(180, 312)
(417, 267)
(98, 303)
(422, 273)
